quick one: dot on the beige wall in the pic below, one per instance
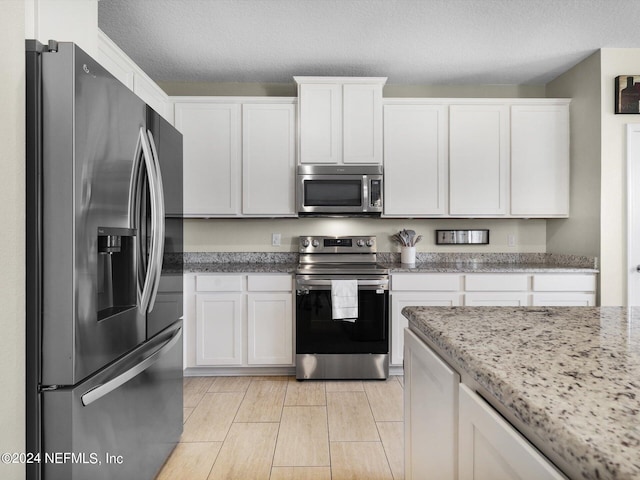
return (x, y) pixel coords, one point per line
(254, 235)
(289, 90)
(597, 225)
(580, 233)
(12, 357)
(613, 231)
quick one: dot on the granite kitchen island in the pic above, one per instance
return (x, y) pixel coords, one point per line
(567, 378)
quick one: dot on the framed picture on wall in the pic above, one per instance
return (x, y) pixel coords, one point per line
(628, 94)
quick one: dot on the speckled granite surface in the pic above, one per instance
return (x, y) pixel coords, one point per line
(278, 262)
(570, 374)
(249, 267)
(486, 267)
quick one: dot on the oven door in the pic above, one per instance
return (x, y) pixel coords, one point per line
(318, 333)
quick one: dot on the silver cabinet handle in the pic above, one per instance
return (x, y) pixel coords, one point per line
(101, 390)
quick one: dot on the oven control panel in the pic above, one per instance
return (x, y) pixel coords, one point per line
(322, 244)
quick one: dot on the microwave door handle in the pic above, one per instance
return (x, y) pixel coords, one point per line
(365, 193)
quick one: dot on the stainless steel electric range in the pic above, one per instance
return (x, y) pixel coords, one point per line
(341, 343)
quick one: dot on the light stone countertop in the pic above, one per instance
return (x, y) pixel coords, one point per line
(567, 377)
(463, 267)
(286, 262)
(485, 267)
(245, 267)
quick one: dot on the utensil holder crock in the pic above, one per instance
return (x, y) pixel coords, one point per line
(408, 255)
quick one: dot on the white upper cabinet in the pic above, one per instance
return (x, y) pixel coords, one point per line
(320, 123)
(362, 123)
(340, 120)
(415, 160)
(478, 159)
(540, 160)
(268, 159)
(239, 155)
(211, 163)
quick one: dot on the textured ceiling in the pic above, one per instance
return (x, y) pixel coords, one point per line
(419, 42)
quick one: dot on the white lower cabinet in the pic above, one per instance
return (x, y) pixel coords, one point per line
(451, 432)
(430, 414)
(399, 300)
(239, 320)
(219, 329)
(483, 289)
(489, 448)
(418, 290)
(269, 328)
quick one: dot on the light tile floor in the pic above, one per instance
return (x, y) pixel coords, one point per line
(276, 428)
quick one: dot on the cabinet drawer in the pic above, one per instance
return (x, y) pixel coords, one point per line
(496, 282)
(269, 283)
(564, 283)
(564, 299)
(219, 283)
(426, 282)
(497, 299)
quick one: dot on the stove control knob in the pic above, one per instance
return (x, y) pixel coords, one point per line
(369, 243)
(315, 243)
(360, 243)
(305, 242)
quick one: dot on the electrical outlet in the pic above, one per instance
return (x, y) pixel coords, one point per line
(275, 239)
(511, 240)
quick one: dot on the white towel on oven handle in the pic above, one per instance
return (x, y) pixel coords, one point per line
(344, 300)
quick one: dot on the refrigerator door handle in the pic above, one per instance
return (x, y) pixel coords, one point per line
(101, 390)
(145, 291)
(159, 231)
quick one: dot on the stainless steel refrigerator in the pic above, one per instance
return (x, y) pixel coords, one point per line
(104, 273)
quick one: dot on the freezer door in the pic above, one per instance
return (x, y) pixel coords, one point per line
(122, 423)
(91, 126)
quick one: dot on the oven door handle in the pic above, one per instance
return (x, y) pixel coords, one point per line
(306, 284)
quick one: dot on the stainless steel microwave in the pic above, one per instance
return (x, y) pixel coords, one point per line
(349, 190)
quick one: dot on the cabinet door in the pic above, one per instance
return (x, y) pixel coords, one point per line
(478, 159)
(211, 164)
(399, 322)
(415, 160)
(540, 160)
(430, 413)
(270, 327)
(320, 123)
(268, 159)
(491, 449)
(362, 123)
(219, 329)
